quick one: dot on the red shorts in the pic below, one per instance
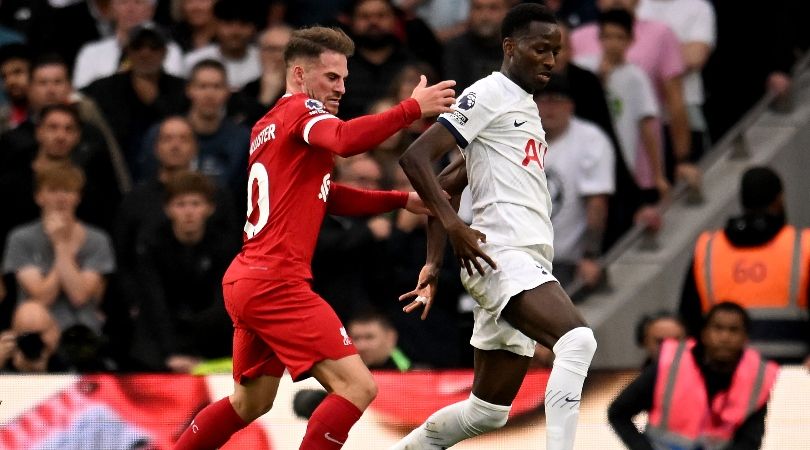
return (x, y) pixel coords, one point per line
(278, 325)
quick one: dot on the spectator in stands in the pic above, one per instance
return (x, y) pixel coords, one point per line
(182, 318)
(58, 138)
(634, 107)
(102, 58)
(446, 323)
(712, 393)
(655, 49)
(376, 341)
(50, 85)
(347, 265)
(30, 345)
(64, 27)
(196, 26)
(761, 263)
(447, 18)
(580, 174)
(221, 141)
(270, 85)
(235, 29)
(693, 22)
(60, 262)
(782, 23)
(379, 55)
(476, 53)
(653, 329)
(140, 96)
(15, 70)
(586, 92)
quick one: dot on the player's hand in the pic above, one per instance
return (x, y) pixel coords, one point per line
(424, 292)
(417, 206)
(436, 99)
(465, 245)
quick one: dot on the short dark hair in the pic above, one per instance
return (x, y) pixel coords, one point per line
(643, 325)
(14, 51)
(189, 182)
(759, 187)
(371, 316)
(49, 59)
(521, 16)
(70, 110)
(208, 64)
(311, 42)
(617, 16)
(727, 306)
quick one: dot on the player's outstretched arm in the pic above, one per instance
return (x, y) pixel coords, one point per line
(364, 133)
(417, 164)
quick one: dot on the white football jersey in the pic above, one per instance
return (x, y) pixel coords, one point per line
(497, 125)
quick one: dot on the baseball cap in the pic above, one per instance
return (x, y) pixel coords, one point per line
(147, 33)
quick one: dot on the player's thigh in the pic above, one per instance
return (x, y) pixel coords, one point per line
(298, 326)
(543, 313)
(498, 375)
(348, 377)
(254, 397)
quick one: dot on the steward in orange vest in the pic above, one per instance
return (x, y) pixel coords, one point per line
(707, 395)
(760, 263)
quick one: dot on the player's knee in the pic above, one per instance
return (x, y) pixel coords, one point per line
(368, 390)
(575, 349)
(479, 417)
(251, 408)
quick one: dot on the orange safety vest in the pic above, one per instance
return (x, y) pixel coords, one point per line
(770, 281)
(681, 416)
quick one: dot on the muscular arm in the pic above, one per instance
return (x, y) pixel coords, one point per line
(636, 397)
(452, 179)
(348, 201)
(361, 134)
(417, 162)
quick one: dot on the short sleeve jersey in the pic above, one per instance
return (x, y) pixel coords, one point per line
(288, 187)
(497, 125)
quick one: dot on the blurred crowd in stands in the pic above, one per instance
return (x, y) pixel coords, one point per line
(125, 129)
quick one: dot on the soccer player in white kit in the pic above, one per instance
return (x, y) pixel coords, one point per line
(497, 125)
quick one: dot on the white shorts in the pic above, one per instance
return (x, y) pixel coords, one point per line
(519, 269)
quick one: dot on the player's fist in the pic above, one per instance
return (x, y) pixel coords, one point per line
(436, 99)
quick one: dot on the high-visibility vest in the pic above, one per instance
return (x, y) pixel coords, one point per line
(770, 281)
(681, 416)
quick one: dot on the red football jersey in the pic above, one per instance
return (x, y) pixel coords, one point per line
(288, 189)
(289, 183)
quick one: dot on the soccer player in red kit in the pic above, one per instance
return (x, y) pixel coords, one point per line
(279, 322)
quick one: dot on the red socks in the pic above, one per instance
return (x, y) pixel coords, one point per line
(329, 426)
(212, 427)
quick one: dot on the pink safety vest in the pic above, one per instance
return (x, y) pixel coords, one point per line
(681, 416)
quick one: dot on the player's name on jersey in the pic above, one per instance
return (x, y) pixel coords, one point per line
(269, 132)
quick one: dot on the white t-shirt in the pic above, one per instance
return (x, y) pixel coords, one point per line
(99, 59)
(580, 163)
(691, 21)
(630, 98)
(497, 125)
(240, 71)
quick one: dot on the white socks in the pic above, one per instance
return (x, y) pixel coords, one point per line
(573, 353)
(454, 423)
(472, 417)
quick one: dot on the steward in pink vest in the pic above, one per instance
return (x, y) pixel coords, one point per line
(707, 395)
